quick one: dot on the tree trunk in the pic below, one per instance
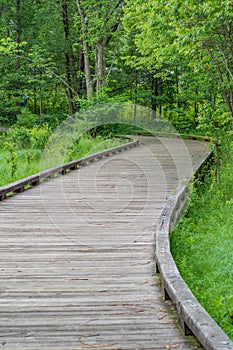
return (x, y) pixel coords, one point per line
(35, 100)
(69, 59)
(196, 111)
(18, 21)
(227, 95)
(69, 86)
(87, 70)
(178, 92)
(155, 92)
(135, 98)
(18, 60)
(224, 76)
(100, 65)
(87, 66)
(41, 106)
(81, 68)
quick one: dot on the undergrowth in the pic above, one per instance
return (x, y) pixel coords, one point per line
(202, 245)
(21, 152)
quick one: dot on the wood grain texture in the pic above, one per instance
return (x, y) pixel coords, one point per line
(77, 267)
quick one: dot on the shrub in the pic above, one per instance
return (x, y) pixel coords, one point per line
(39, 136)
(19, 137)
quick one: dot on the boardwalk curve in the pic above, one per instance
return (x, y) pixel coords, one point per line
(193, 317)
(77, 255)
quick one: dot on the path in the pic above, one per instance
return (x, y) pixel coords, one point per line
(77, 267)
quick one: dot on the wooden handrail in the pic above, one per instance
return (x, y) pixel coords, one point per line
(192, 316)
(36, 179)
(179, 136)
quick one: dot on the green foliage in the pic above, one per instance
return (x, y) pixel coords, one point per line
(22, 151)
(202, 244)
(39, 136)
(23, 138)
(12, 157)
(183, 122)
(114, 129)
(193, 43)
(12, 79)
(86, 144)
(27, 119)
(23, 148)
(102, 98)
(211, 122)
(19, 137)
(184, 75)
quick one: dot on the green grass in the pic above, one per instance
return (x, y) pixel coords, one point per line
(28, 161)
(88, 145)
(202, 245)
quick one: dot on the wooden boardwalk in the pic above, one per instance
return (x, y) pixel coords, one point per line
(77, 268)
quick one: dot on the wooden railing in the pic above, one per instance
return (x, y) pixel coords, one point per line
(193, 317)
(36, 179)
(210, 139)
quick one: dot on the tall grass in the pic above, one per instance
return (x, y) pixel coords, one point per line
(202, 245)
(28, 161)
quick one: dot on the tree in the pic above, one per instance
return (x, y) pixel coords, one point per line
(99, 23)
(194, 36)
(71, 60)
(38, 68)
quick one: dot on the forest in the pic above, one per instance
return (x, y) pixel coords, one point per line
(61, 56)
(174, 58)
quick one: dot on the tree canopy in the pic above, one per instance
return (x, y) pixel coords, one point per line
(175, 57)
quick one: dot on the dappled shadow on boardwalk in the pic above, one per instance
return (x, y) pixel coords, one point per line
(77, 255)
